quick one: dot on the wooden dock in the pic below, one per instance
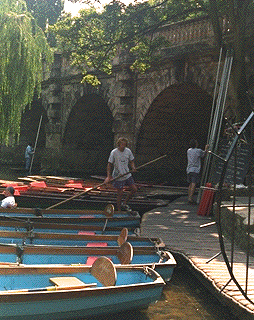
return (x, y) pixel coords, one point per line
(178, 225)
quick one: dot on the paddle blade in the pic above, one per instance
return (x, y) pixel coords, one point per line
(125, 253)
(122, 236)
(104, 271)
(109, 210)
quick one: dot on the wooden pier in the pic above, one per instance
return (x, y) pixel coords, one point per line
(178, 225)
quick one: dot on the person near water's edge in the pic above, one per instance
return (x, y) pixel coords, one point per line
(28, 156)
(9, 200)
(119, 160)
(194, 155)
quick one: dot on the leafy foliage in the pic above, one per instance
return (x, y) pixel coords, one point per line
(93, 39)
(22, 46)
(45, 11)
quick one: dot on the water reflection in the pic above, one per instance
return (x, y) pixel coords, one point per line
(184, 298)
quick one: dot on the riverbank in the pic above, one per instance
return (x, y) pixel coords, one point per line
(178, 225)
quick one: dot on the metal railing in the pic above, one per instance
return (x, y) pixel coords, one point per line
(230, 230)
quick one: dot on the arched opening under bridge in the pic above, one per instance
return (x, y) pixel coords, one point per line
(88, 136)
(179, 113)
(14, 154)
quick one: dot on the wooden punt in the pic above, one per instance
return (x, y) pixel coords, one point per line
(10, 223)
(29, 254)
(44, 194)
(91, 201)
(80, 238)
(59, 292)
(92, 217)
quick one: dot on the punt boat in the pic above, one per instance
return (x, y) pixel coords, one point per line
(16, 223)
(91, 217)
(78, 239)
(61, 292)
(29, 254)
(43, 193)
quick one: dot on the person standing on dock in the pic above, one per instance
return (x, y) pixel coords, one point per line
(28, 157)
(119, 160)
(194, 155)
(9, 200)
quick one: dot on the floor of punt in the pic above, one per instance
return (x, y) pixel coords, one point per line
(178, 225)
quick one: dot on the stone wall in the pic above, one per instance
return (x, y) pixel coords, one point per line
(157, 111)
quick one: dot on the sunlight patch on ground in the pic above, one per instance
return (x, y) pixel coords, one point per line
(180, 211)
(215, 235)
(162, 227)
(154, 212)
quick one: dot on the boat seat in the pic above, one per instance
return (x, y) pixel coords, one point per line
(91, 260)
(86, 233)
(97, 244)
(64, 283)
(87, 216)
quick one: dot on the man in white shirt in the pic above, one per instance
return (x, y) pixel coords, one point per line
(9, 200)
(194, 155)
(119, 160)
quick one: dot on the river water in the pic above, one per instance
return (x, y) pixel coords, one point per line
(184, 297)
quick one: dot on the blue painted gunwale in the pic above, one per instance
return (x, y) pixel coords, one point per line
(163, 261)
(134, 289)
(128, 221)
(54, 238)
(12, 224)
(87, 217)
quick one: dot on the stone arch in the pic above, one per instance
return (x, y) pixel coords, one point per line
(201, 73)
(73, 92)
(88, 136)
(177, 114)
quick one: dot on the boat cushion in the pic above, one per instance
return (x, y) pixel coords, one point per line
(38, 184)
(87, 216)
(97, 244)
(74, 185)
(90, 260)
(86, 232)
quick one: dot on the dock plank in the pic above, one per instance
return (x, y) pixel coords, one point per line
(178, 225)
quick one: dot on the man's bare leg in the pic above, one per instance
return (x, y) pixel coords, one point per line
(133, 190)
(191, 190)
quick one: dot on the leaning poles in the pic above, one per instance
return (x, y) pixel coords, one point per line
(217, 115)
(35, 144)
(104, 183)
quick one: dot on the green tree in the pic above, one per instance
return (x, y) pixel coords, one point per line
(238, 14)
(22, 46)
(93, 38)
(45, 11)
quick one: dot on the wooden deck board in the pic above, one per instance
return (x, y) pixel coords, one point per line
(178, 225)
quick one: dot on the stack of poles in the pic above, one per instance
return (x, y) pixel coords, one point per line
(217, 114)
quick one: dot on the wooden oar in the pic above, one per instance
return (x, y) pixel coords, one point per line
(125, 253)
(104, 271)
(122, 236)
(27, 179)
(104, 183)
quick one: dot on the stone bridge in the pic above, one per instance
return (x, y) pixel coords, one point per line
(158, 111)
